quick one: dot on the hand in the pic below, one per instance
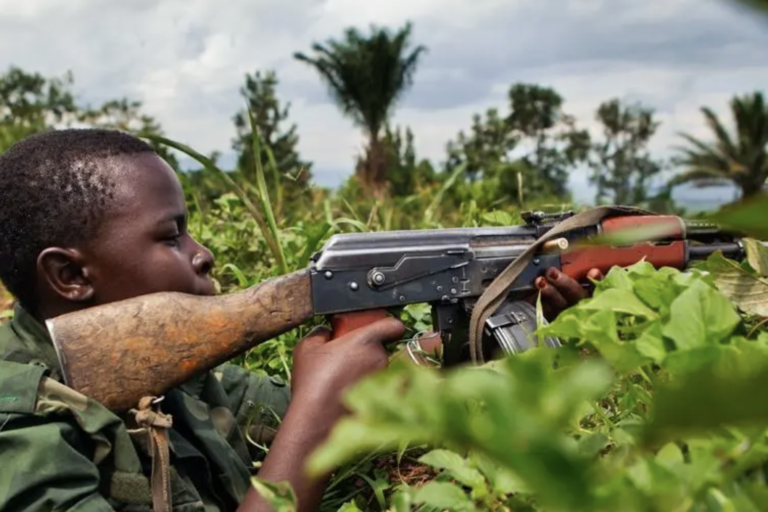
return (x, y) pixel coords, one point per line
(324, 367)
(559, 291)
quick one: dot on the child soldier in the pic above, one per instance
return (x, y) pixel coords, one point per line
(89, 217)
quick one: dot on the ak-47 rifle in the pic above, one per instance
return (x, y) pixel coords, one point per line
(474, 279)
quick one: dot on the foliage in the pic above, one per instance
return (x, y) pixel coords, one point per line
(741, 158)
(648, 407)
(526, 154)
(291, 174)
(31, 103)
(366, 76)
(621, 163)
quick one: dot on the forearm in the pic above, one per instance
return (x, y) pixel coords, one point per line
(303, 429)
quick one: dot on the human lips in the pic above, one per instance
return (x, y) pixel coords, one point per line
(206, 287)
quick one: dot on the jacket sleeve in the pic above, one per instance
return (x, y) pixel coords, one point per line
(259, 402)
(45, 467)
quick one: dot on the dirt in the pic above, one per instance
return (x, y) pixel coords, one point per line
(409, 471)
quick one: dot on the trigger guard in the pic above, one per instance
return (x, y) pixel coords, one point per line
(512, 326)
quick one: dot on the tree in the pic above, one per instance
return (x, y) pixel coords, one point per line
(621, 163)
(537, 119)
(486, 147)
(31, 103)
(126, 115)
(291, 175)
(741, 159)
(406, 173)
(533, 146)
(366, 76)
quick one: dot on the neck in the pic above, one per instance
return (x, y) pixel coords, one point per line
(44, 312)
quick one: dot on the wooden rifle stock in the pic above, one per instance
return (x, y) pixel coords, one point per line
(121, 352)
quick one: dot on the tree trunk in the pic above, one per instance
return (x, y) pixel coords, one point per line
(753, 186)
(375, 167)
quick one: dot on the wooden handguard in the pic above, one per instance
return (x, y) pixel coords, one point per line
(577, 262)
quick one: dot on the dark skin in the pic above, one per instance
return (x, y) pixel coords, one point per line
(144, 247)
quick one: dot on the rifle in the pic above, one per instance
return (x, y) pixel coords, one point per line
(473, 278)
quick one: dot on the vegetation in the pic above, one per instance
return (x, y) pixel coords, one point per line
(741, 160)
(652, 404)
(365, 77)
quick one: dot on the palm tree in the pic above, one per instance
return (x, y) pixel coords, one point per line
(741, 159)
(366, 76)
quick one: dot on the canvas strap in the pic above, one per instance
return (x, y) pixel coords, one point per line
(149, 416)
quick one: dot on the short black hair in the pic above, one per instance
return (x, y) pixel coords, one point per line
(53, 192)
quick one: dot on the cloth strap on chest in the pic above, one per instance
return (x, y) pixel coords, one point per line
(149, 416)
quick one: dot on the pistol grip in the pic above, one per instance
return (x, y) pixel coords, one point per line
(344, 323)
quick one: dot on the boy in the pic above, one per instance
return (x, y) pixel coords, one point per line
(89, 217)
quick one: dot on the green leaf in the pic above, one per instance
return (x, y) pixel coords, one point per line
(457, 466)
(591, 444)
(279, 496)
(697, 402)
(401, 501)
(619, 301)
(631, 235)
(700, 315)
(241, 279)
(349, 507)
(757, 255)
(747, 216)
(748, 291)
(499, 218)
(650, 343)
(670, 455)
(443, 495)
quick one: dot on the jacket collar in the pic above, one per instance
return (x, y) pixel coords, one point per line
(33, 342)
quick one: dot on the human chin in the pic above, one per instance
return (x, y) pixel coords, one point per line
(205, 287)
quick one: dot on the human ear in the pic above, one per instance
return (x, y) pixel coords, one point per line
(65, 273)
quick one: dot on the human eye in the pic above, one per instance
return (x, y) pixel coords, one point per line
(172, 239)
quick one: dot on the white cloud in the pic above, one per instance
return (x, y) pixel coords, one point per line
(185, 59)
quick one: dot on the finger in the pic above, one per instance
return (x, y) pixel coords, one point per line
(430, 342)
(567, 287)
(382, 331)
(595, 274)
(320, 335)
(348, 322)
(552, 301)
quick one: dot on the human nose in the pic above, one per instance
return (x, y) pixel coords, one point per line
(203, 260)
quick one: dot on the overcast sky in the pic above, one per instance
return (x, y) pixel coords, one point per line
(185, 59)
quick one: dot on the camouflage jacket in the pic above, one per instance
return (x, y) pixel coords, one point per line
(61, 451)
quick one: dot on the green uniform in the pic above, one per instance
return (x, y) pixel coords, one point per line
(62, 451)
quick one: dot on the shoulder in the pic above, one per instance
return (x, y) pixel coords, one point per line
(25, 389)
(19, 387)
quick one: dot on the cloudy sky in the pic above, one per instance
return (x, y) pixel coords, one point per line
(185, 59)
